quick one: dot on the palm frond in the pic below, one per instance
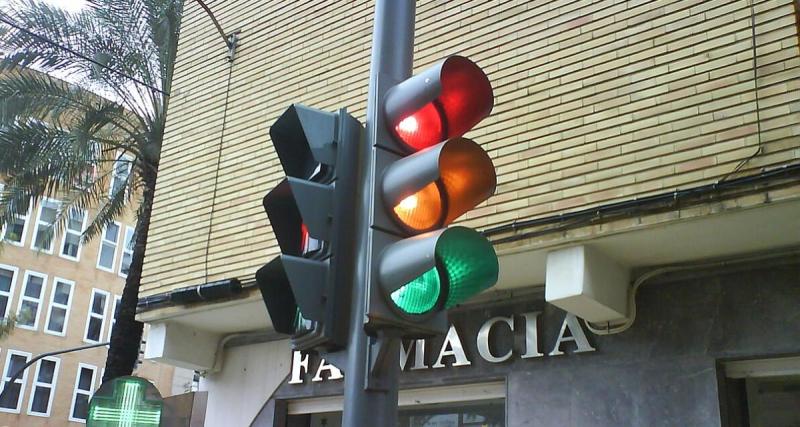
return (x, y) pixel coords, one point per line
(62, 141)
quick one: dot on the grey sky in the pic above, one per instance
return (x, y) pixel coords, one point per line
(70, 5)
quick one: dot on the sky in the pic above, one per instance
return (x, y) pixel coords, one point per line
(70, 5)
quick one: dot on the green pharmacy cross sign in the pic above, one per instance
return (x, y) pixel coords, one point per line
(125, 402)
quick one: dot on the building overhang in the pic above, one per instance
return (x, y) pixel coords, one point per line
(739, 226)
(748, 224)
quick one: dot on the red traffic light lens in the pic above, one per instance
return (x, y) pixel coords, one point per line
(308, 244)
(464, 97)
(420, 128)
(304, 238)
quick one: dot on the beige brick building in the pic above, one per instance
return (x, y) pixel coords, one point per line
(658, 132)
(63, 297)
(63, 294)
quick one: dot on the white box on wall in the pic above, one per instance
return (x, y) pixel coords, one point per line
(585, 282)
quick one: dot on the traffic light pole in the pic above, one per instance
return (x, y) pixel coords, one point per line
(372, 368)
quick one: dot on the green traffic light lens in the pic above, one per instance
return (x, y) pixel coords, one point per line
(465, 264)
(302, 325)
(469, 261)
(420, 295)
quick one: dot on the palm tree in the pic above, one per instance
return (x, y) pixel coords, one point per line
(60, 139)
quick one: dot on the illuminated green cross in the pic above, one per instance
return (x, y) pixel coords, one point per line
(126, 408)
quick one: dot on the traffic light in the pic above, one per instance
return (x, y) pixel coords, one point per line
(428, 175)
(306, 289)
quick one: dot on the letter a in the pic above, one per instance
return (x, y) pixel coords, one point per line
(577, 335)
(453, 341)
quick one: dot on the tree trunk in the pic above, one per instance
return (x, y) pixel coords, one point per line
(127, 333)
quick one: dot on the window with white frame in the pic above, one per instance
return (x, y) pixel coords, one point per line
(30, 301)
(71, 242)
(8, 278)
(117, 300)
(44, 385)
(14, 231)
(43, 236)
(90, 173)
(108, 247)
(60, 302)
(97, 316)
(15, 360)
(127, 251)
(120, 173)
(84, 385)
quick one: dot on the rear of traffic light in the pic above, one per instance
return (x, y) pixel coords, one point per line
(305, 289)
(428, 175)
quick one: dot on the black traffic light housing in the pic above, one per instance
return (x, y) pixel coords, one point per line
(314, 203)
(426, 176)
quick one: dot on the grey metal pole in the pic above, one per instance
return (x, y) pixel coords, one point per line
(373, 401)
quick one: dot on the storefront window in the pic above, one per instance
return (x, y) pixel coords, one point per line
(466, 414)
(482, 414)
(762, 392)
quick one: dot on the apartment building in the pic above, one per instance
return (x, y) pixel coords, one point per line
(658, 140)
(63, 294)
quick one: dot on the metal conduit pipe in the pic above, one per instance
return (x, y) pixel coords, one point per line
(610, 329)
(212, 291)
(639, 204)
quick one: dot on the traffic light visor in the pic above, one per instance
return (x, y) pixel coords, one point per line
(445, 267)
(302, 138)
(432, 188)
(469, 262)
(440, 103)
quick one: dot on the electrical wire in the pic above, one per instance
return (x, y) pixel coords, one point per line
(760, 147)
(624, 325)
(79, 55)
(216, 172)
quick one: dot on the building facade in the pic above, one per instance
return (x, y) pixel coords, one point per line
(63, 294)
(655, 139)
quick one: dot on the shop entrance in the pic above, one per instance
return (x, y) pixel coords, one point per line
(468, 405)
(464, 414)
(763, 393)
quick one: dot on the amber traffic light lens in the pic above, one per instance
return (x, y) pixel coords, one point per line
(423, 210)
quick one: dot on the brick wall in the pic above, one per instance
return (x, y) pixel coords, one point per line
(595, 102)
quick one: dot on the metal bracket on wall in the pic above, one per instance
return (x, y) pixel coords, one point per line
(233, 42)
(384, 351)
